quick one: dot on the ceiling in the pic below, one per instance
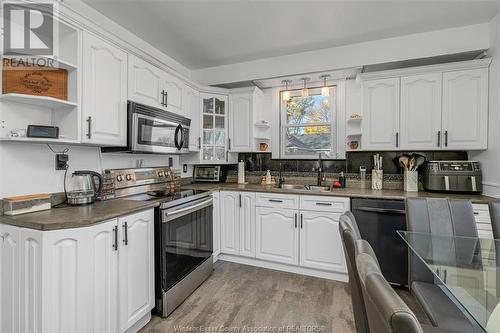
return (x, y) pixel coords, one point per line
(201, 34)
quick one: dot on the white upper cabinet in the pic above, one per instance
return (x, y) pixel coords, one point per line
(465, 109)
(104, 105)
(240, 122)
(421, 111)
(149, 85)
(144, 82)
(243, 109)
(381, 114)
(136, 267)
(172, 89)
(192, 110)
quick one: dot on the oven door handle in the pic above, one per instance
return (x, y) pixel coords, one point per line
(171, 214)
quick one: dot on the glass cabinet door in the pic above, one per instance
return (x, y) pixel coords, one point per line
(214, 129)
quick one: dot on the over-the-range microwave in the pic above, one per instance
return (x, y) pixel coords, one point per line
(155, 131)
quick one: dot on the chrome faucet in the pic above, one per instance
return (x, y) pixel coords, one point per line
(320, 177)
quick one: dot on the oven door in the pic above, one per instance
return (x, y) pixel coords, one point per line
(155, 135)
(187, 237)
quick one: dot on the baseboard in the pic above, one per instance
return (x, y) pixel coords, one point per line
(342, 277)
(140, 323)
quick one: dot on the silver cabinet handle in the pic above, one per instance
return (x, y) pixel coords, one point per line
(125, 233)
(295, 220)
(89, 127)
(439, 139)
(115, 231)
(397, 139)
(199, 143)
(240, 200)
(275, 200)
(446, 138)
(301, 221)
(229, 144)
(323, 204)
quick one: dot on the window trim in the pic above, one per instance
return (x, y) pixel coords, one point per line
(334, 125)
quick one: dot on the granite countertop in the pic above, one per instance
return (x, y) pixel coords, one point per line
(77, 216)
(350, 192)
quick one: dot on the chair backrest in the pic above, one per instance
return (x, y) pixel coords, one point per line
(495, 218)
(386, 311)
(440, 217)
(350, 235)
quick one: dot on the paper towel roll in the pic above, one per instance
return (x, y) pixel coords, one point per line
(241, 172)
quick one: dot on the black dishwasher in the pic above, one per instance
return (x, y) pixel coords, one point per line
(378, 221)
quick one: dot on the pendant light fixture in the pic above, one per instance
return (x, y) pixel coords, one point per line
(325, 90)
(285, 95)
(305, 92)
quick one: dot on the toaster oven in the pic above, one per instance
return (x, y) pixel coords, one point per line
(209, 174)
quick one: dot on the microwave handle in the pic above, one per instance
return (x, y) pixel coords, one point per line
(179, 144)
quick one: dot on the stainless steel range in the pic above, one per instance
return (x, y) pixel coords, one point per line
(183, 230)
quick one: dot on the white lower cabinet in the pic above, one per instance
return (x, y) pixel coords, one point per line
(136, 267)
(277, 235)
(320, 242)
(237, 223)
(92, 279)
(282, 228)
(216, 224)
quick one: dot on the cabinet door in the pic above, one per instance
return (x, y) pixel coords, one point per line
(66, 277)
(465, 109)
(381, 114)
(172, 87)
(192, 111)
(277, 235)
(216, 224)
(9, 279)
(144, 82)
(229, 222)
(214, 139)
(136, 267)
(103, 277)
(320, 243)
(421, 111)
(247, 224)
(240, 122)
(104, 105)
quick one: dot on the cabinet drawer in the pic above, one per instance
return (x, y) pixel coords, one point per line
(276, 200)
(324, 203)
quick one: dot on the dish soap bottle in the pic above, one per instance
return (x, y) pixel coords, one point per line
(342, 180)
(268, 177)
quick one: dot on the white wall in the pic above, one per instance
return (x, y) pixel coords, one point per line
(428, 44)
(30, 168)
(490, 159)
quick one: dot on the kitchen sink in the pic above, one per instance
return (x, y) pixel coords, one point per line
(311, 188)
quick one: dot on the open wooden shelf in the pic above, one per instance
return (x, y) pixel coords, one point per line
(37, 140)
(43, 101)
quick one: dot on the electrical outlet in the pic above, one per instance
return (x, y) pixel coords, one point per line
(185, 168)
(62, 161)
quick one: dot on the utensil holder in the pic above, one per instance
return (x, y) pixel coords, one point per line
(411, 181)
(377, 179)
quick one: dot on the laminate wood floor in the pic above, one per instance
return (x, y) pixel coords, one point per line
(238, 296)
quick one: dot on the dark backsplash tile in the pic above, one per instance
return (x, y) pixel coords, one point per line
(390, 159)
(263, 161)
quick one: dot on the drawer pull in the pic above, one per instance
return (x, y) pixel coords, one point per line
(323, 204)
(476, 213)
(275, 200)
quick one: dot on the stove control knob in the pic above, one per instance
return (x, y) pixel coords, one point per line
(119, 178)
(128, 177)
(160, 174)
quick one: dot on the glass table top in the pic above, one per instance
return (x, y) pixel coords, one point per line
(468, 268)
